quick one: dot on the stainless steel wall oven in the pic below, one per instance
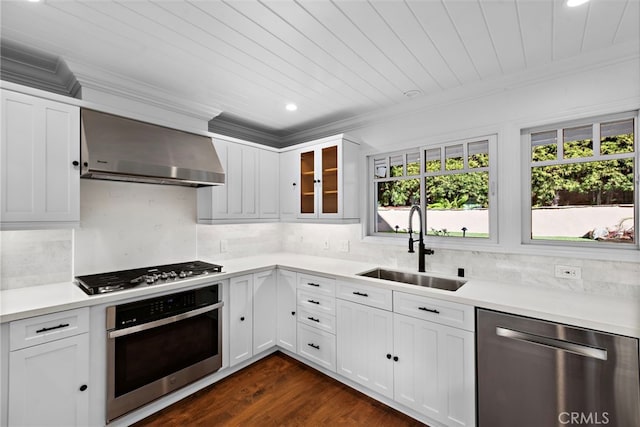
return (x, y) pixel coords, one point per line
(158, 345)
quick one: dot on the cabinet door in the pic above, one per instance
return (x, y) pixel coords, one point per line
(289, 183)
(264, 314)
(308, 184)
(418, 371)
(328, 181)
(249, 186)
(435, 372)
(268, 181)
(286, 310)
(48, 383)
(240, 318)
(365, 346)
(40, 142)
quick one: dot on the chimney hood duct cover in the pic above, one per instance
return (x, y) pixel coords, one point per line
(117, 148)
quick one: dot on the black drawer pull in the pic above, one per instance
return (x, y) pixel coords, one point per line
(83, 387)
(317, 347)
(313, 301)
(293, 313)
(430, 310)
(388, 356)
(361, 294)
(317, 285)
(313, 319)
(60, 326)
(395, 358)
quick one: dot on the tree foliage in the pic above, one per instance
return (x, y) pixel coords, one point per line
(598, 182)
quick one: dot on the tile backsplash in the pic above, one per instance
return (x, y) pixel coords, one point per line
(126, 225)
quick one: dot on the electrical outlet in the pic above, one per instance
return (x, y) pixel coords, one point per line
(568, 271)
(325, 244)
(343, 246)
(224, 246)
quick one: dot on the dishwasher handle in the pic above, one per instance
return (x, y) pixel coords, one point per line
(582, 350)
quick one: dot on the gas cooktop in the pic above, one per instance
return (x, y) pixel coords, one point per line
(94, 284)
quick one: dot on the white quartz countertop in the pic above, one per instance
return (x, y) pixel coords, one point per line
(610, 314)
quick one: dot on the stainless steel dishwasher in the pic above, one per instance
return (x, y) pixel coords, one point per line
(533, 373)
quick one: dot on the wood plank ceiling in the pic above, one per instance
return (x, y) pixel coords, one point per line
(334, 59)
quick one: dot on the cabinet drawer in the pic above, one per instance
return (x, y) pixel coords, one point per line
(317, 284)
(435, 310)
(50, 327)
(364, 294)
(321, 321)
(316, 303)
(317, 346)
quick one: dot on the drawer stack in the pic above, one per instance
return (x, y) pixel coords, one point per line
(316, 300)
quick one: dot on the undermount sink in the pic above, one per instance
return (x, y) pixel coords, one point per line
(414, 279)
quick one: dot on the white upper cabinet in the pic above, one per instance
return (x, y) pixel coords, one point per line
(251, 185)
(327, 178)
(289, 178)
(40, 169)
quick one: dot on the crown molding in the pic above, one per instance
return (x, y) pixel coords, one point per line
(123, 87)
(237, 129)
(34, 68)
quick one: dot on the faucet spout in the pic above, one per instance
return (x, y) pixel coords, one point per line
(421, 248)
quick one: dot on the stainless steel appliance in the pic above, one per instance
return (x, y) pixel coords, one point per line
(94, 284)
(534, 373)
(160, 344)
(118, 148)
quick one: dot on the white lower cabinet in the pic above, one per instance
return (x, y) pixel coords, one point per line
(265, 294)
(252, 320)
(286, 310)
(365, 346)
(49, 381)
(424, 365)
(240, 318)
(435, 373)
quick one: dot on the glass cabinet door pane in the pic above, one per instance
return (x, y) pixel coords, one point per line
(307, 183)
(330, 180)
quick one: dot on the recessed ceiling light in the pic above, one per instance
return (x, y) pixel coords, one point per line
(574, 3)
(291, 107)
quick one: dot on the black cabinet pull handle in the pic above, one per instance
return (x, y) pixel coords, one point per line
(395, 358)
(317, 285)
(293, 313)
(294, 184)
(242, 319)
(361, 294)
(388, 356)
(83, 387)
(75, 163)
(430, 310)
(317, 347)
(313, 301)
(60, 326)
(86, 164)
(313, 319)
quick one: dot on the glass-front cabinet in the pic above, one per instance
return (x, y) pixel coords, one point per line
(328, 178)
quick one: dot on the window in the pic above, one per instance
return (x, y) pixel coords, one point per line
(582, 182)
(451, 182)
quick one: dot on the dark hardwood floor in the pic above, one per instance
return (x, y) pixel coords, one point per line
(278, 391)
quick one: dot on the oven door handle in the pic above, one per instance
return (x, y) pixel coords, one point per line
(161, 322)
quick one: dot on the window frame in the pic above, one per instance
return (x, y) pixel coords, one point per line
(527, 163)
(451, 241)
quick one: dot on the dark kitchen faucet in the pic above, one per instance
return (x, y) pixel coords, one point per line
(422, 251)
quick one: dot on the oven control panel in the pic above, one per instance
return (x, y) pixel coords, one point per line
(152, 309)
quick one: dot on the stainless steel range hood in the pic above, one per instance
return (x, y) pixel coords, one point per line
(121, 149)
